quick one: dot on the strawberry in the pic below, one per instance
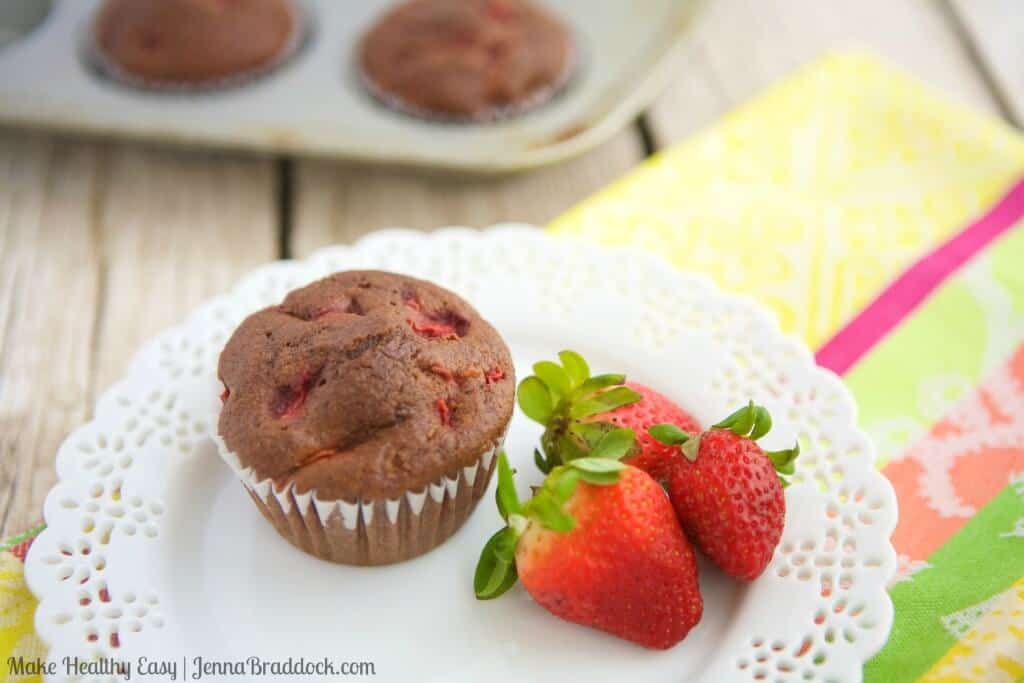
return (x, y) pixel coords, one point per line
(597, 545)
(577, 410)
(653, 408)
(728, 492)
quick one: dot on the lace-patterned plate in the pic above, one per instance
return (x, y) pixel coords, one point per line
(153, 548)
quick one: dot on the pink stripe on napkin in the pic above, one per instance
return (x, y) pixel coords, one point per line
(907, 292)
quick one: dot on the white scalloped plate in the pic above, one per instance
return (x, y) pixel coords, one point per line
(150, 527)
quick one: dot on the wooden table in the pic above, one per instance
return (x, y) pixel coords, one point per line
(104, 244)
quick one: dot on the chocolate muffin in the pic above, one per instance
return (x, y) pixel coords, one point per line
(466, 59)
(193, 42)
(363, 414)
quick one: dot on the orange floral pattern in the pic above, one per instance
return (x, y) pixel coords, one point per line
(965, 460)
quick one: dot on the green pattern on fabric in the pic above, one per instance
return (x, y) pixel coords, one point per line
(17, 539)
(887, 382)
(964, 332)
(974, 565)
(1006, 267)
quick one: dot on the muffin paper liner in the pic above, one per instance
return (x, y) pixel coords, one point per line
(369, 532)
(108, 68)
(492, 115)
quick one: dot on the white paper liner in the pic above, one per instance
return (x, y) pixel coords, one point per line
(369, 532)
(108, 68)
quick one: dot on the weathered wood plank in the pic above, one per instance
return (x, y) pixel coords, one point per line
(177, 228)
(49, 288)
(995, 29)
(338, 203)
(101, 247)
(739, 47)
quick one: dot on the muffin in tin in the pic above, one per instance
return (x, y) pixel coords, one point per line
(466, 59)
(193, 43)
(363, 414)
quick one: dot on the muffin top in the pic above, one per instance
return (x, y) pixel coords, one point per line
(190, 41)
(465, 58)
(364, 384)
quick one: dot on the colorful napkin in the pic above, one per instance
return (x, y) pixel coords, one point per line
(885, 226)
(17, 606)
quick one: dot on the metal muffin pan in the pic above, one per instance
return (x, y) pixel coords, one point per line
(314, 103)
(19, 17)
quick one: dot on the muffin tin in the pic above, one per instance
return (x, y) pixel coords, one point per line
(19, 17)
(315, 103)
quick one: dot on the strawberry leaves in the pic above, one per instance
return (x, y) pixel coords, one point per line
(751, 421)
(754, 421)
(496, 569)
(507, 498)
(603, 402)
(558, 381)
(575, 366)
(547, 504)
(567, 401)
(762, 423)
(542, 463)
(613, 445)
(589, 439)
(599, 382)
(597, 471)
(671, 435)
(535, 399)
(784, 462)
